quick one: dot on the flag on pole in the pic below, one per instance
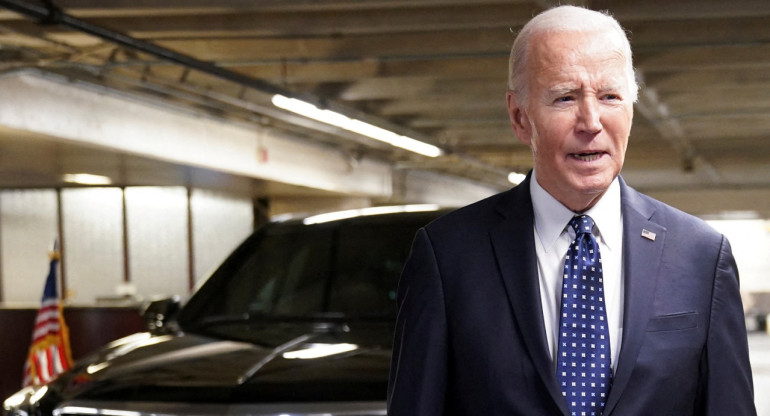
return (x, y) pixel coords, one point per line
(49, 354)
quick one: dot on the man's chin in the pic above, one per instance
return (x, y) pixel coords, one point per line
(593, 187)
(589, 183)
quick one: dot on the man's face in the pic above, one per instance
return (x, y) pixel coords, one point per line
(578, 114)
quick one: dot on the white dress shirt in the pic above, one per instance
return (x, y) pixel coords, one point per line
(552, 238)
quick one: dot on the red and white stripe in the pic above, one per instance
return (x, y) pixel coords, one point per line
(48, 357)
(48, 320)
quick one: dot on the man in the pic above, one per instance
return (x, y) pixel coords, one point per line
(631, 309)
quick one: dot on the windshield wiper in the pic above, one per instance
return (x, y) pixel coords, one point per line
(319, 329)
(246, 376)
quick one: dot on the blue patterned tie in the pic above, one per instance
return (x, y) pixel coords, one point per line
(583, 363)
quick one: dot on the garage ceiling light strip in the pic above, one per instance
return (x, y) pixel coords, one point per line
(356, 126)
(50, 14)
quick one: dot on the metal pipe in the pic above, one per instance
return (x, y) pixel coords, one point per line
(50, 14)
(53, 15)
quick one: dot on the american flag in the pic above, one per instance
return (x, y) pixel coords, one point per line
(49, 354)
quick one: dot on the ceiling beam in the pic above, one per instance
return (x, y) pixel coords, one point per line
(126, 8)
(705, 57)
(682, 9)
(661, 34)
(717, 79)
(727, 127)
(718, 103)
(313, 23)
(51, 15)
(669, 128)
(647, 37)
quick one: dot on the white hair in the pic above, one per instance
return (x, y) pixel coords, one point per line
(564, 19)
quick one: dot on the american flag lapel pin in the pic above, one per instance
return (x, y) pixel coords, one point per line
(648, 235)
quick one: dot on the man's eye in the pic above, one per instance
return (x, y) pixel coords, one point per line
(611, 97)
(564, 99)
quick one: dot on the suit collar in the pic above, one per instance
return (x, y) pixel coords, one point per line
(514, 247)
(551, 216)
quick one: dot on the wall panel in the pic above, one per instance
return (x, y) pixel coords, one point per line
(158, 240)
(93, 237)
(220, 221)
(28, 227)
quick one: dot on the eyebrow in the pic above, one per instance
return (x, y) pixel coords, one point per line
(612, 87)
(569, 89)
(563, 89)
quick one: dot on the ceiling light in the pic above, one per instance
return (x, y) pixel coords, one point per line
(86, 179)
(516, 178)
(356, 126)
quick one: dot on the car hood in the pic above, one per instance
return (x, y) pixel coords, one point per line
(305, 365)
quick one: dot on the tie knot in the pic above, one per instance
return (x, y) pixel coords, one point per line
(582, 224)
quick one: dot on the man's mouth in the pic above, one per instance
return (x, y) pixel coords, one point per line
(587, 157)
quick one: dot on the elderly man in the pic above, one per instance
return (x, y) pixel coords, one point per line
(570, 294)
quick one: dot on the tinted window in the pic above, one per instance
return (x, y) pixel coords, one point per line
(347, 270)
(368, 263)
(284, 273)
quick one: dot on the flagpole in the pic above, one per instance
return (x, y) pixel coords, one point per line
(59, 241)
(55, 255)
(49, 352)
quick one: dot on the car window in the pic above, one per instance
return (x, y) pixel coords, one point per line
(291, 272)
(284, 274)
(369, 259)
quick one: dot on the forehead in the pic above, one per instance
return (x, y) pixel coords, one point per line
(565, 57)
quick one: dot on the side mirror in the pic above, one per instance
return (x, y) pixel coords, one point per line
(159, 315)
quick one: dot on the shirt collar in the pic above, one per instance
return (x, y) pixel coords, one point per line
(551, 217)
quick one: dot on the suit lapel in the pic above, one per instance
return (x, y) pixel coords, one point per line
(514, 247)
(643, 242)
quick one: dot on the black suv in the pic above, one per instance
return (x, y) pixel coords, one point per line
(297, 321)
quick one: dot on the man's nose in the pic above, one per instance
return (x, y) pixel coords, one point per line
(589, 120)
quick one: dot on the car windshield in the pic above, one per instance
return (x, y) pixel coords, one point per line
(344, 270)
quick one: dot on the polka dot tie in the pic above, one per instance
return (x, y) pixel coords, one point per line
(583, 363)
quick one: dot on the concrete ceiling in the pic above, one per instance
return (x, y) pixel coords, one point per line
(36, 161)
(436, 69)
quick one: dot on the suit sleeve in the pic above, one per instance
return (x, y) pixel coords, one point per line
(418, 373)
(728, 388)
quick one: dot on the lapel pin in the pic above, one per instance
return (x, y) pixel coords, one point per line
(648, 235)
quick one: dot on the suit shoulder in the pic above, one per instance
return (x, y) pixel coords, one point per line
(475, 216)
(678, 221)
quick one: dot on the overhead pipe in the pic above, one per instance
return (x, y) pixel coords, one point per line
(49, 14)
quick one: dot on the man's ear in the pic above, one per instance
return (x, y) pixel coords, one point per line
(519, 119)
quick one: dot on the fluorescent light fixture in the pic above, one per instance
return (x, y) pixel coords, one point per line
(86, 179)
(516, 178)
(352, 213)
(319, 350)
(356, 126)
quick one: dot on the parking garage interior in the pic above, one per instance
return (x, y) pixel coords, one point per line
(143, 138)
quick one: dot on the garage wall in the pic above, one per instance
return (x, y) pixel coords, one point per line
(750, 242)
(28, 225)
(174, 238)
(92, 225)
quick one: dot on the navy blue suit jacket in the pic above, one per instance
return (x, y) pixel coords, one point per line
(470, 338)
